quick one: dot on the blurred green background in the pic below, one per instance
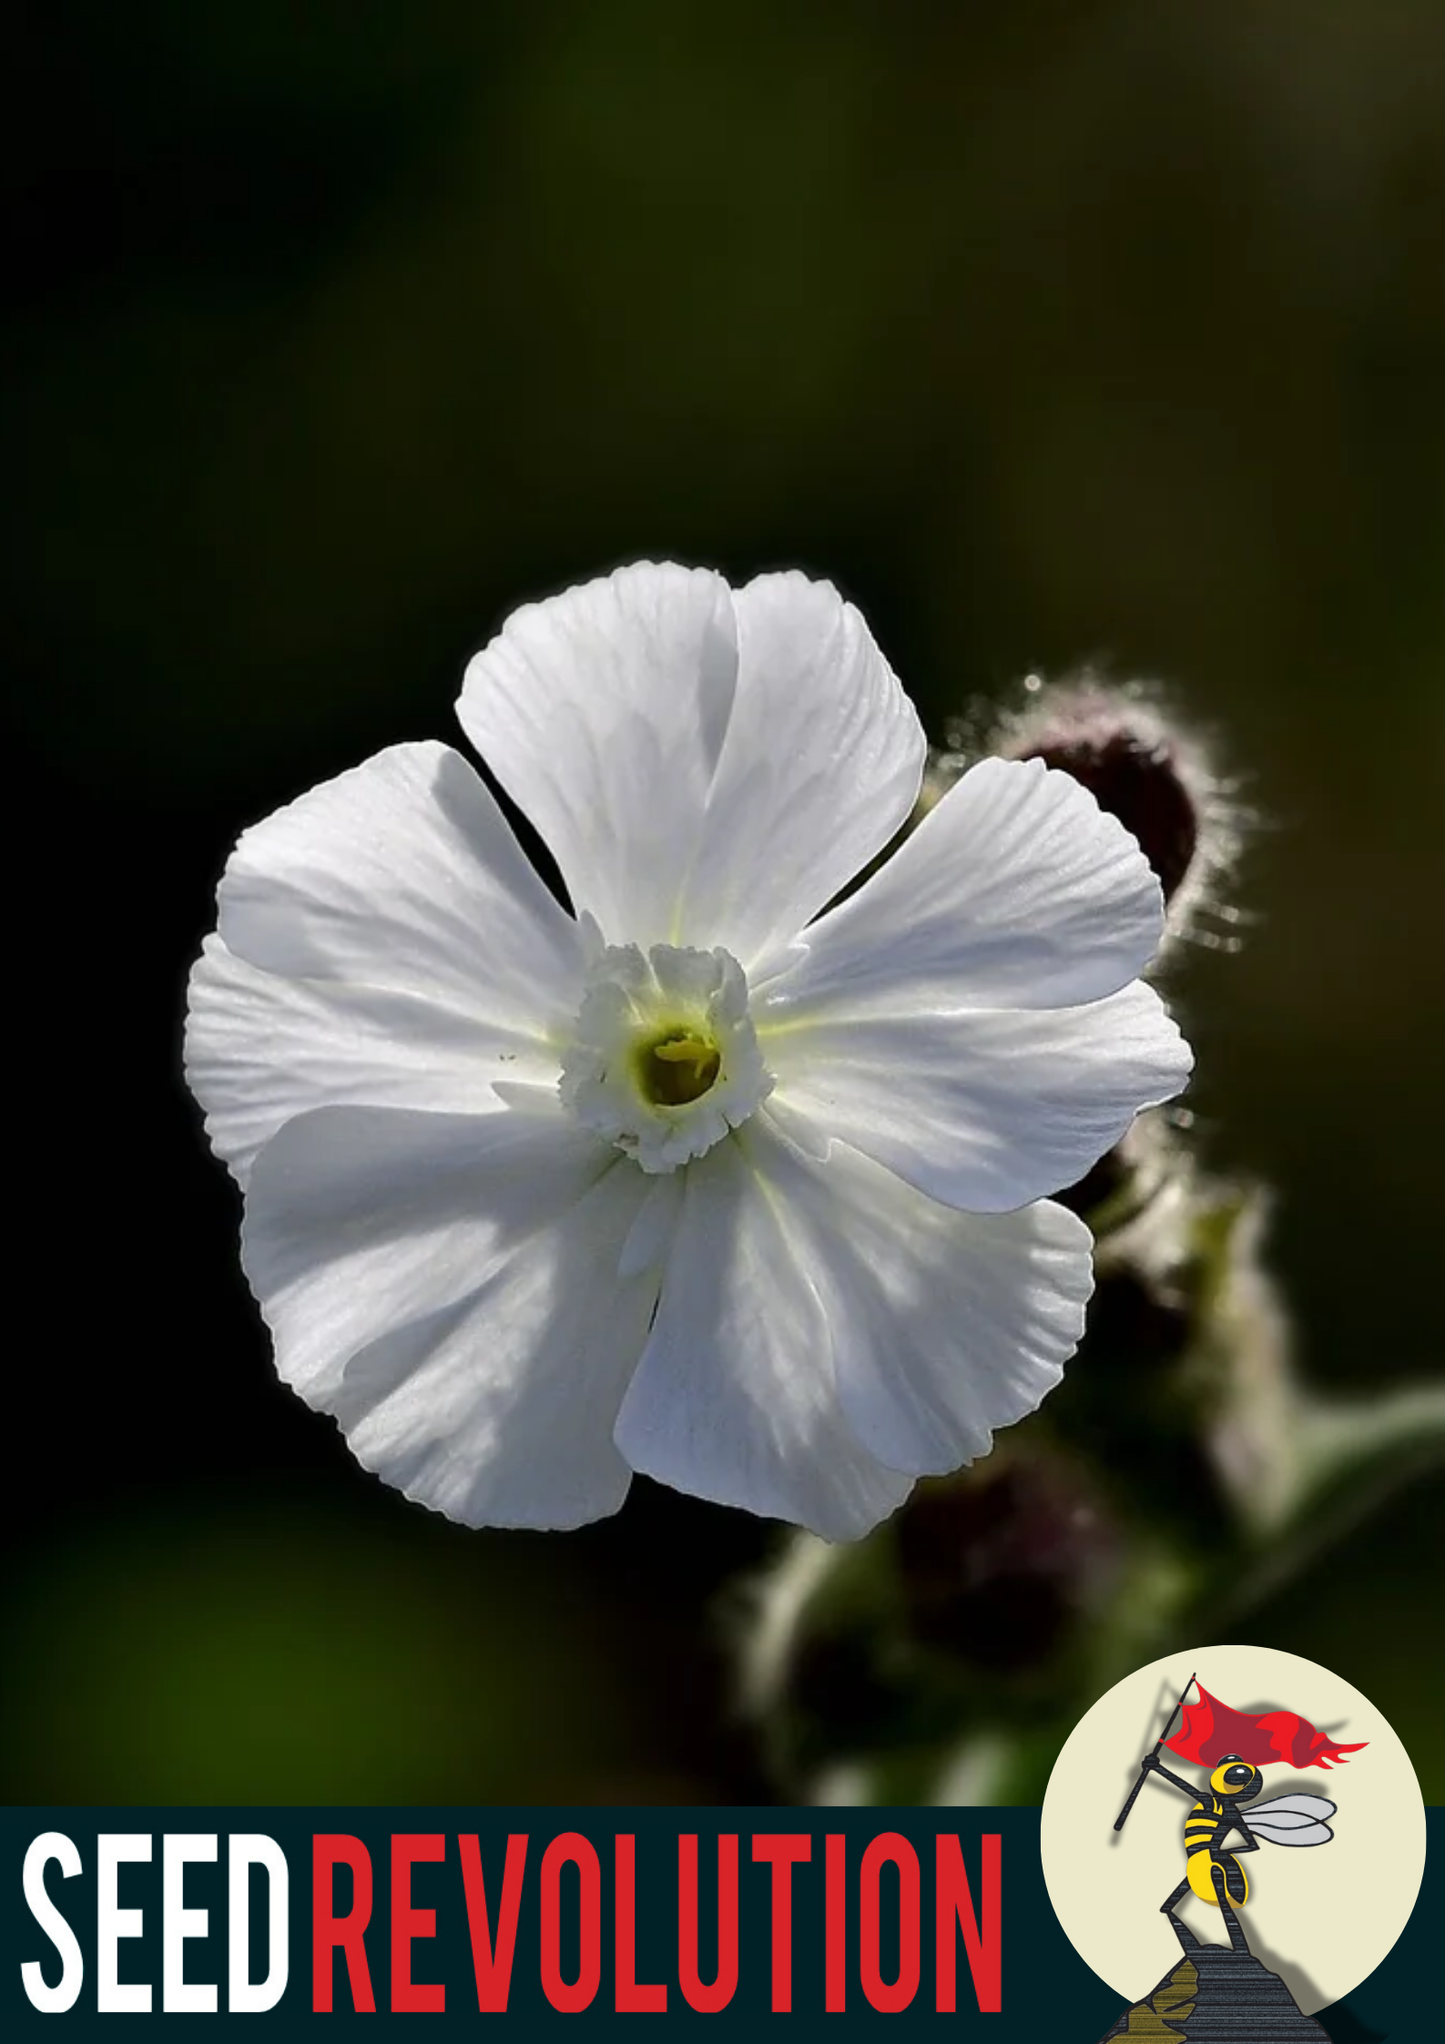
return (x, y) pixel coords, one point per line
(1107, 330)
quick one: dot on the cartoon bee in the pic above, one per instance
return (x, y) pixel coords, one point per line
(1215, 1875)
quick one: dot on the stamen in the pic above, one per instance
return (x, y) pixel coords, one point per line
(680, 1069)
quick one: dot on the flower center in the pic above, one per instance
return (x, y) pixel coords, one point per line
(664, 1059)
(679, 1069)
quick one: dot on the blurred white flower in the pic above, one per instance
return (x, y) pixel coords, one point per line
(686, 1182)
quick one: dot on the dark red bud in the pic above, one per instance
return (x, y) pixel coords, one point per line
(1133, 774)
(998, 1565)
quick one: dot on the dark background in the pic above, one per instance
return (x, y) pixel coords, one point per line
(1049, 332)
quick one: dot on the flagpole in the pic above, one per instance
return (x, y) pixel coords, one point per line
(1144, 1765)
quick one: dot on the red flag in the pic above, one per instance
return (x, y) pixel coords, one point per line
(1211, 1729)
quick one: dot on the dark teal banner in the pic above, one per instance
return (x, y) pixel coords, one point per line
(294, 1916)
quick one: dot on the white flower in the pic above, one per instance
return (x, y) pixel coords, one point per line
(688, 1182)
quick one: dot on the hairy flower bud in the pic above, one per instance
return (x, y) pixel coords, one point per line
(1132, 767)
(998, 1565)
(1141, 765)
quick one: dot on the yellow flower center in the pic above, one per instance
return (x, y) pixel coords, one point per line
(664, 1060)
(679, 1068)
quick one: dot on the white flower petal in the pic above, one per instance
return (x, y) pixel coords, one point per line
(946, 1325)
(985, 1111)
(646, 1245)
(260, 1049)
(447, 1287)
(602, 712)
(360, 1219)
(735, 1397)
(500, 1411)
(820, 767)
(404, 874)
(1016, 891)
(697, 761)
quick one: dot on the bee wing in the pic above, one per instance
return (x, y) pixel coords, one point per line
(1296, 1834)
(1296, 1809)
(1292, 1820)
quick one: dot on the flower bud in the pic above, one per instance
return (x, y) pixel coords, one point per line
(997, 1566)
(1132, 768)
(1145, 768)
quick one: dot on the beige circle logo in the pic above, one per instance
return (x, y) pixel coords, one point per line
(1322, 1785)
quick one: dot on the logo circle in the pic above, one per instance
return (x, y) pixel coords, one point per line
(1322, 1917)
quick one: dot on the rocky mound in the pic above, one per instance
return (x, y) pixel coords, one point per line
(1224, 1996)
